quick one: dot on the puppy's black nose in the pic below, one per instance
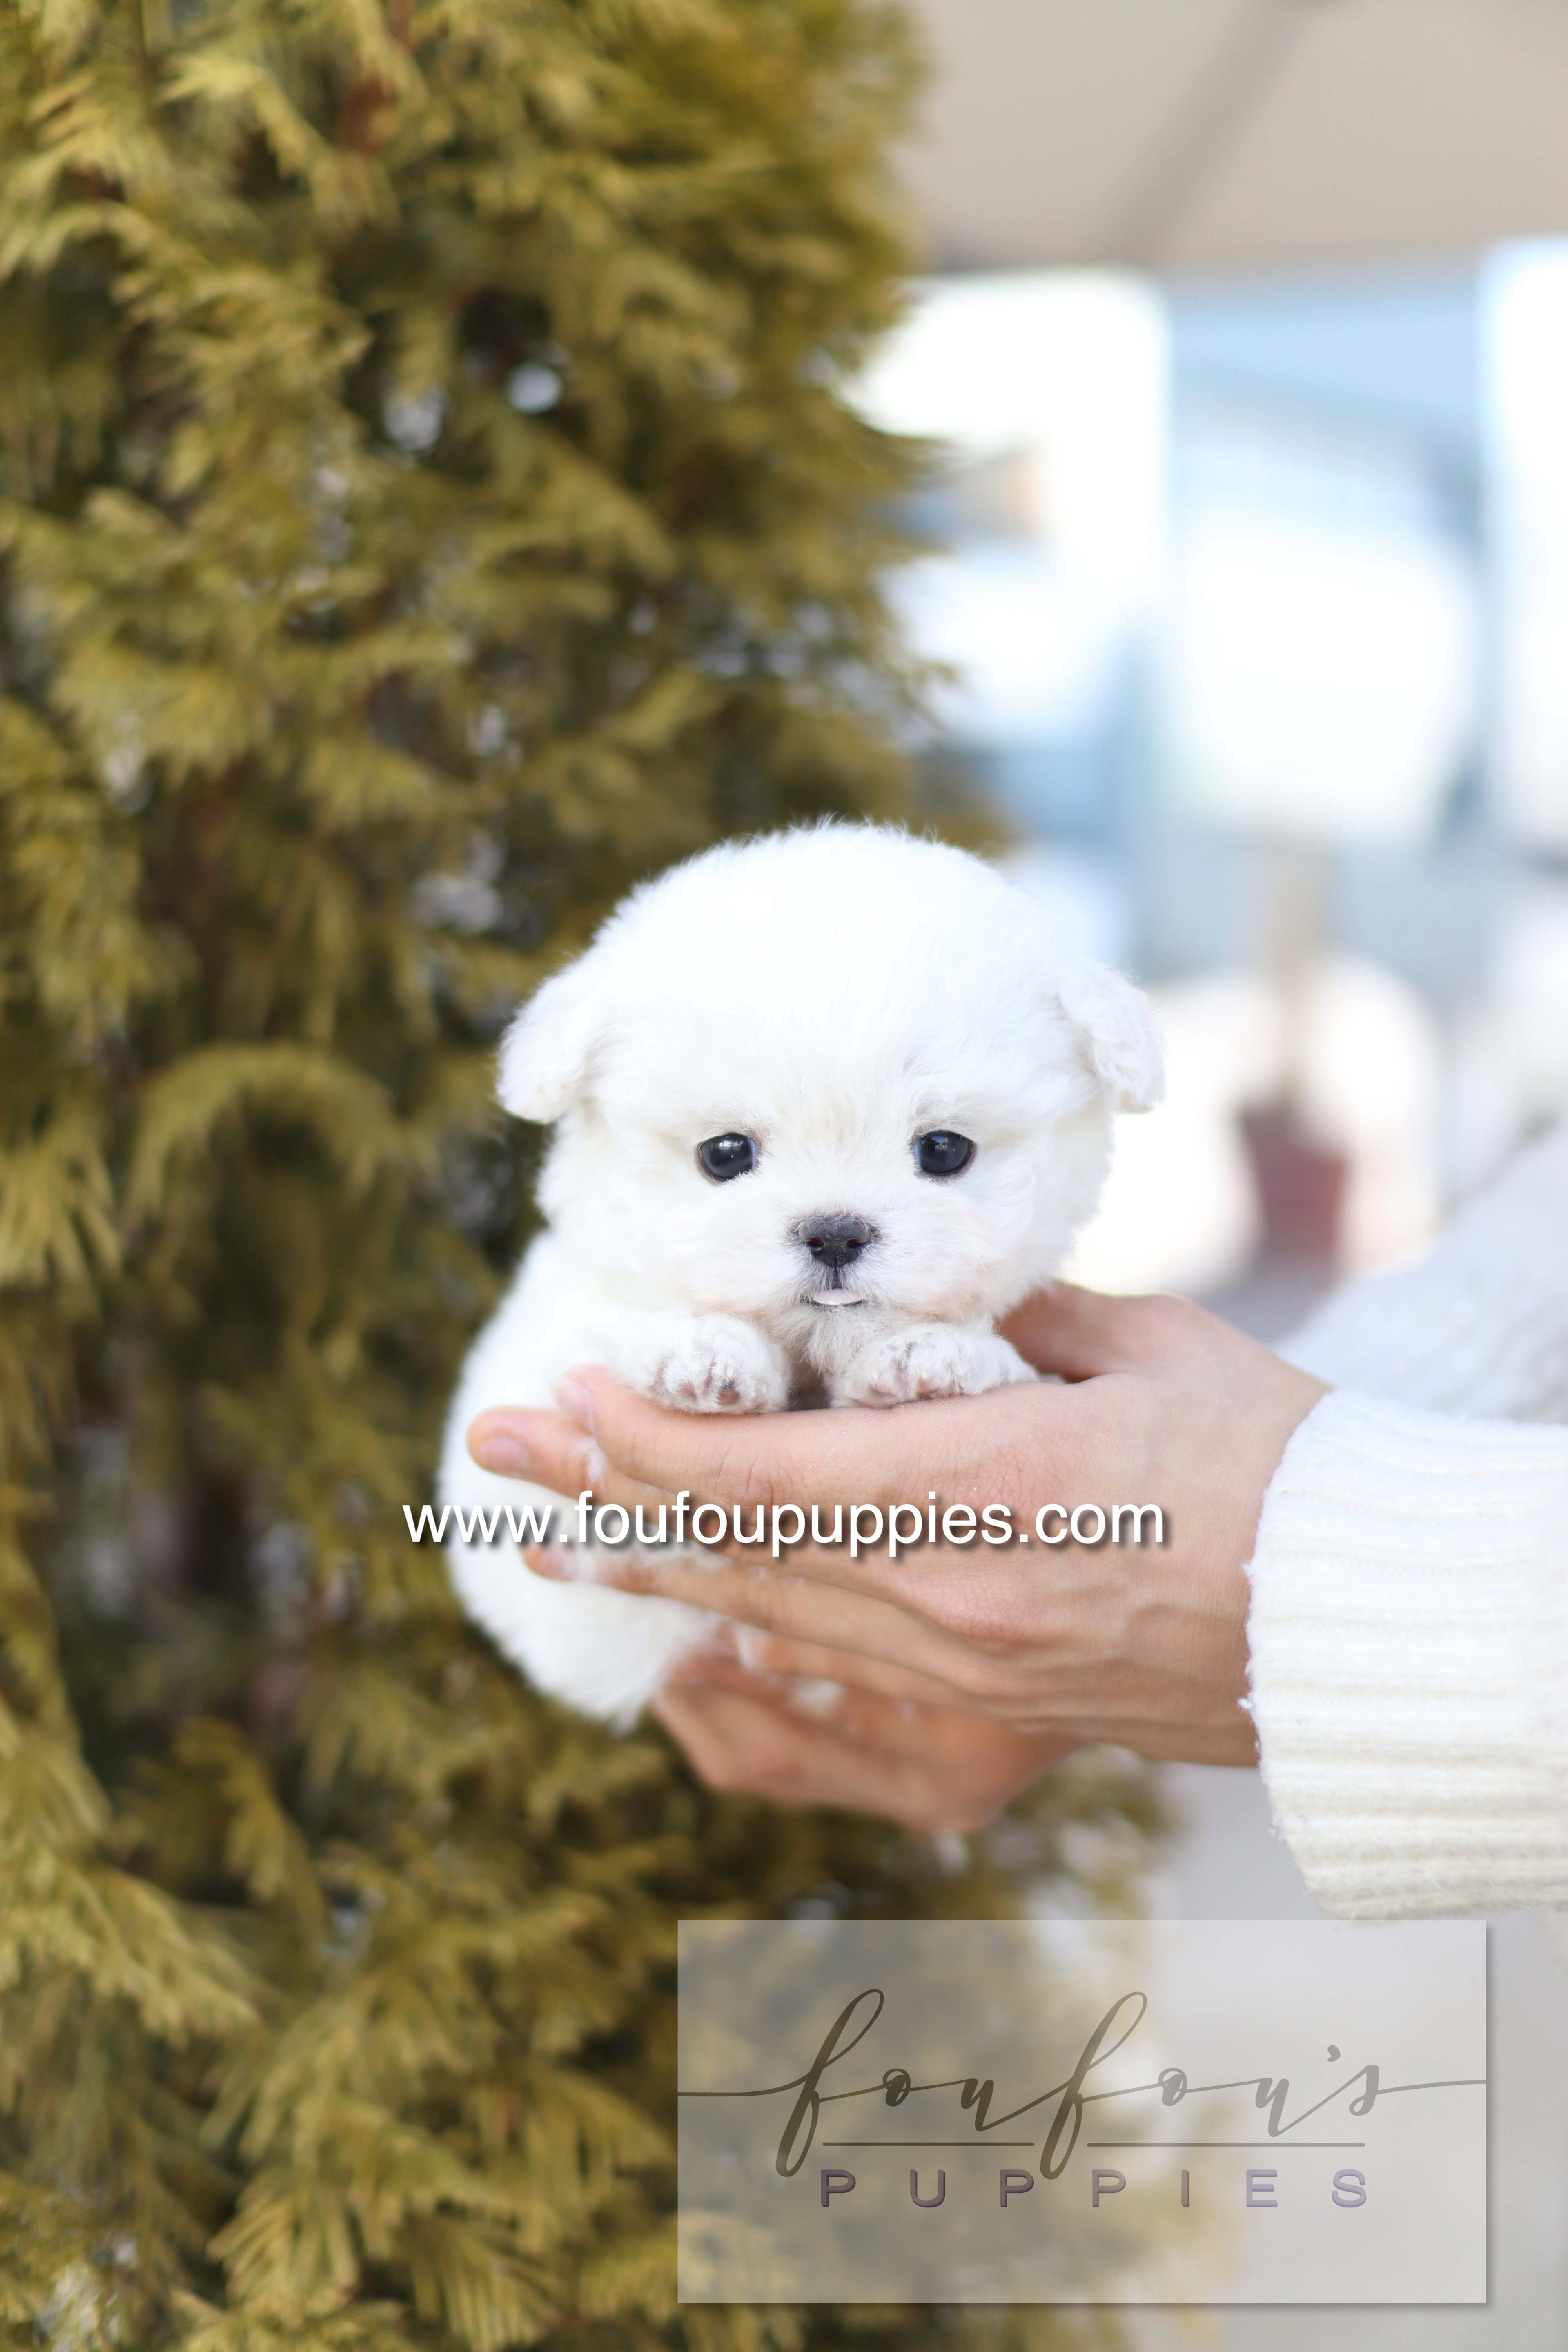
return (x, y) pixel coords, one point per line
(835, 1241)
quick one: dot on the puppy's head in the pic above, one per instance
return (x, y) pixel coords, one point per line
(835, 1072)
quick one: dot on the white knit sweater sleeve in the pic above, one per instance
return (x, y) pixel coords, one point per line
(1409, 1619)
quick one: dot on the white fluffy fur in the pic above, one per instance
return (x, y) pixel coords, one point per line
(832, 992)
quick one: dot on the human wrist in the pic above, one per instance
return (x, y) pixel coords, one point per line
(1222, 1440)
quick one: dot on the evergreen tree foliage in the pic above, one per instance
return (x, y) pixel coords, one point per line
(425, 505)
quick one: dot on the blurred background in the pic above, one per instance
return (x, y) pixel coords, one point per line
(1245, 341)
(1245, 344)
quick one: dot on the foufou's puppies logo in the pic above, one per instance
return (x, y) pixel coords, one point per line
(826, 1105)
(1065, 2110)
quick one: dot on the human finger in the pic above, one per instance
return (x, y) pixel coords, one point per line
(549, 1449)
(859, 1546)
(934, 1727)
(823, 1458)
(740, 1742)
(777, 1601)
(1082, 1334)
(743, 1744)
(739, 1651)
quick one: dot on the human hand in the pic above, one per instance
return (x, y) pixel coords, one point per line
(1144, 1645)
(926, 1768)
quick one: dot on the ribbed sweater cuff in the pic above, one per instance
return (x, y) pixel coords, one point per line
(1408, 1630)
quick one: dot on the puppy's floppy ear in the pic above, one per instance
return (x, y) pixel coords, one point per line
(1117, 1024)
(546, 1051)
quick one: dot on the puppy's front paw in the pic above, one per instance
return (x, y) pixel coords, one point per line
(930, 1360)
(716, 1364)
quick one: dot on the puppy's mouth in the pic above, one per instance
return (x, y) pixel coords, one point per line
(837, 1242)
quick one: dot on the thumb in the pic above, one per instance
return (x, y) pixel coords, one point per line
(1081, 1334)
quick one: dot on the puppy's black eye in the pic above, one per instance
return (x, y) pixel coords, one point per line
(723, 1156)
(942, 1153)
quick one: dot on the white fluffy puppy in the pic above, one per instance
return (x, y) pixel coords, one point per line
(826, 1104)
